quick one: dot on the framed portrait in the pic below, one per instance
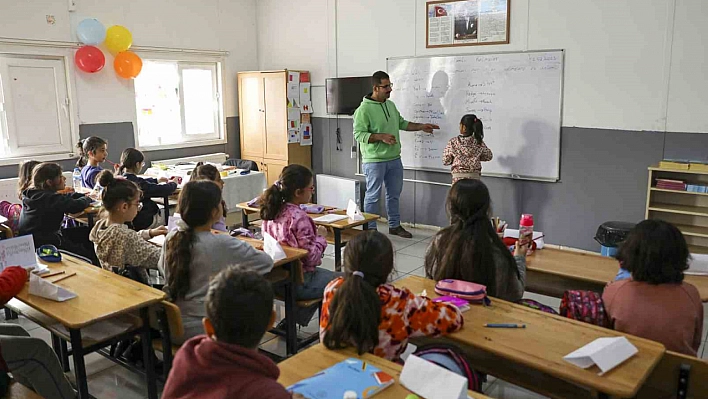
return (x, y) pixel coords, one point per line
(467, 23)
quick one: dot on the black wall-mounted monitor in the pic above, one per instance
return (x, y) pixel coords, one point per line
(344, 94)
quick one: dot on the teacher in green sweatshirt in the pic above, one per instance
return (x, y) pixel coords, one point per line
(376, 126)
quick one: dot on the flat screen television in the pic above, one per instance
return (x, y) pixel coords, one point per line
(344, 94)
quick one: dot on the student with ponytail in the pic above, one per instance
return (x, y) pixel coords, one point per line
(469, 249)
(286, 222)
(362, 310)
(132, 162)
(192, 254)
(467, 151)
(93, 152)
(209, 172)
(115, 244)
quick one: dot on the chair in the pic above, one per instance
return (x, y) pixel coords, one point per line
(167, 319)
(242, 164)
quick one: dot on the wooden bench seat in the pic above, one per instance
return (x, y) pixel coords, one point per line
(663, 383)
(57, 329)
(19, 391)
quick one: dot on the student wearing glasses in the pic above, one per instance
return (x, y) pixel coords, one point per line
(132, 162)
(376, 127)
(115, 244)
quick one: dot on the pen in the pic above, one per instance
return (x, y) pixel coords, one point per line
(539, 237)
(54, 274)
(504, 325)
(64, 278)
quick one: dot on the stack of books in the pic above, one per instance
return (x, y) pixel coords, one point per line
(695, 188)
(666, 184)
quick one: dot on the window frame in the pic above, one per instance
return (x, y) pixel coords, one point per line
(64, 57)
(189, 61)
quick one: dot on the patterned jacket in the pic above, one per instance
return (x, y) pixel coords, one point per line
(116, 246)
(465, 155)
(294, 228)
(404, 315)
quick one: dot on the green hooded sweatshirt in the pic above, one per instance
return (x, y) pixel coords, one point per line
(376, 117)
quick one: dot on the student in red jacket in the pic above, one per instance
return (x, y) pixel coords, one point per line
(30, 360)
(225, 362)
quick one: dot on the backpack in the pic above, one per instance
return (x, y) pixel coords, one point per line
(584, 306)
(472, 292)
(12, 213)
(430, 352)
(536, 305)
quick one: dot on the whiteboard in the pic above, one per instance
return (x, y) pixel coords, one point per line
(517, 96)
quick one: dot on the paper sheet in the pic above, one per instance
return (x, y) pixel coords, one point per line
(353, 211)
(40, 287)
(293, 136)
(305, 98)
(293, 89)
(272, 247)
(18, 251)
(513, 233)
(305, 134)
(431, 381)
(698, 265)
(330, 218)
(606, 353)
(294, 119)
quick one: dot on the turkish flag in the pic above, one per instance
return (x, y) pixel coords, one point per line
(440, 11)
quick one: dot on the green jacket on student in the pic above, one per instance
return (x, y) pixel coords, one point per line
(376, 117)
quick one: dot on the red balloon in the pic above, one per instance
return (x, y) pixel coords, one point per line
(90, 59)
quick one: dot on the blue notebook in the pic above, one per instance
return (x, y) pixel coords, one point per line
(348, 375)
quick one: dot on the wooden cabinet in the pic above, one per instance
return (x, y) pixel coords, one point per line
(686, 210)
(263, 115)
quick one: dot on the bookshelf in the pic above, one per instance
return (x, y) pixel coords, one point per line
(688, 211)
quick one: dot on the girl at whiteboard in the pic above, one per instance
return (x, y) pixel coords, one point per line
(467, 151)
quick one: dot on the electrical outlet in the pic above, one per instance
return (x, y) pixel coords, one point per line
(72, 5)
(353, 151)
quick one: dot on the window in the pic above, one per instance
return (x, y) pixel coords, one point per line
(178, 103)
(34, 107)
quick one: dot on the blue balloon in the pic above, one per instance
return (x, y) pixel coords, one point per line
(91, 32)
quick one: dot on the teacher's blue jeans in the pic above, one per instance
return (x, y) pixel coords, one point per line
(378, 174)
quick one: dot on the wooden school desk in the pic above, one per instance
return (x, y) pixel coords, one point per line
(317, 358)
(101, 295)
(340, 229)
(553, 271)
(292, 263)
(540, 347)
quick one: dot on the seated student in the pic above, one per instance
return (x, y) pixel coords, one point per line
(286, 222)
(225, 363)
(361, 309)
(131, 163)
(30, 360)
(43, 210)
(116, 245)
(470, 250)
(655, 303)
(12, 211)
(209, 172)
(93, 151)
(192, 253)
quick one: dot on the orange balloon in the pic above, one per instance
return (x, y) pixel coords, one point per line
(128, 65)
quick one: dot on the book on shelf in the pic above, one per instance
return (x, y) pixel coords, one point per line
(698, 166)
(674, 164)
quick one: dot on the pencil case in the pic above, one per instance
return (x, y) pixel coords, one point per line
(472, 292)
(312, 208)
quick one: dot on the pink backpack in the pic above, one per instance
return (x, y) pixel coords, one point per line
(12, 213)
(472, 292)
(585, 306)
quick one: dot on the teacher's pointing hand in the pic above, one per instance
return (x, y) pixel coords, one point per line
(429, 127)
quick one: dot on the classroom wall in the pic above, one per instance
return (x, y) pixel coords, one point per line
(634, 92)
(105, 102)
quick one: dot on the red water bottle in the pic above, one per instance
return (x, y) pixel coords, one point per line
(526, 231)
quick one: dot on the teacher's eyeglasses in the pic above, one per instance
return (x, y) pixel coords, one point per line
(388, 86)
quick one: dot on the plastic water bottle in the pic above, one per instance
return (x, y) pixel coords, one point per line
(526, 230)
(76, 179)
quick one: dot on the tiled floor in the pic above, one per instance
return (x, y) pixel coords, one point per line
(107, 380)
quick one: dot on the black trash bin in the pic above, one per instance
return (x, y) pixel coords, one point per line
(611, 234)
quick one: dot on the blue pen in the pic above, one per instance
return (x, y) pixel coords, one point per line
(504, 325)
